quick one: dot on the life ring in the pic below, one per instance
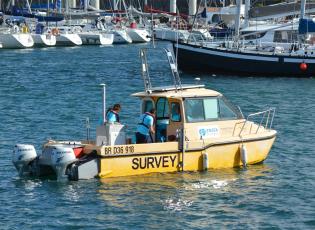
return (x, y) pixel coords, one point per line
(16, 29)
(55, 31)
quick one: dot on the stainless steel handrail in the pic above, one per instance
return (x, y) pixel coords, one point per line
(266, 121)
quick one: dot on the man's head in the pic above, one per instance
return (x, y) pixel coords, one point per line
(117, 107)
(153, 111)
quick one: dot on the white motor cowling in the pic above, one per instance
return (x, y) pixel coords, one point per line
(22, 156)
(62, 156)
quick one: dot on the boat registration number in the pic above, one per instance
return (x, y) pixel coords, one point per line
(119, 150)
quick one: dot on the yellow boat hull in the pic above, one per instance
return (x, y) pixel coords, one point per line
(219, 155)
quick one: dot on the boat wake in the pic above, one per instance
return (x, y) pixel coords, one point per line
(173, 204)
(213, 184)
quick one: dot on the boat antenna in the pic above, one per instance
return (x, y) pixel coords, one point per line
(145, 71)
(104, 102)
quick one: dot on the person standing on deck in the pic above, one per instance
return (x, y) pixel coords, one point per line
(145, 127)
(112, 115)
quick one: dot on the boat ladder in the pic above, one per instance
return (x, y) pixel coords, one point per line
(173, 65)
(145, 71)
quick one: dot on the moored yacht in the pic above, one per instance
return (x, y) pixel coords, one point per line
(138, 34)
(121, 36)
(67, 36)
(91, 35)
(43, 37)
(252, 58)
(96, 38)
(170, 34)
(13, 38)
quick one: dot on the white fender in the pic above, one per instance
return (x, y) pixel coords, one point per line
(16, 29)
(243, 152)
(205, 161)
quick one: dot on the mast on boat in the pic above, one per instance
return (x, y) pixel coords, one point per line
(303, 3)
(237, 20)
(247, 8)
(173, 6)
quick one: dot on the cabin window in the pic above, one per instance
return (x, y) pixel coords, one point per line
(225, 109)
(175, 110)
(285, 36)
(209, 109)
(194, 110)
(253, 36)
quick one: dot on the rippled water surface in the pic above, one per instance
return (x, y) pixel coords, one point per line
(48, 93)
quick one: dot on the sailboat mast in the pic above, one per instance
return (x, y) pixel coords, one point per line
(28, 6)
(173, 6)
(86, 4)
(115, 4)
(67, 7)
(303, 2)
(192, 7)
(247, 8)
(237, 19)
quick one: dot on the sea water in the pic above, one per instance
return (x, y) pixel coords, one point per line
(49, 93)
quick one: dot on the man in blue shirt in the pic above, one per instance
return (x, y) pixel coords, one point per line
(145, 127)
(112, 115)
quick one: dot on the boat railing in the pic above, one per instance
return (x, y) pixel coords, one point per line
(200, 40)
(263, 119)
(241, 45)
(195, 39)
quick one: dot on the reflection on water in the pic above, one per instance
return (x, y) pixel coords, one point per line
(176, 192)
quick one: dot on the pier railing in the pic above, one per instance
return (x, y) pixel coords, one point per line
(263, 119)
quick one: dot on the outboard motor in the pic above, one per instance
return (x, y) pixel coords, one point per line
(23, 155)
(62, 157)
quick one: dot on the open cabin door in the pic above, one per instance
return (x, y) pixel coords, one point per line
(162, 119)
(168, 119)
(176, 119)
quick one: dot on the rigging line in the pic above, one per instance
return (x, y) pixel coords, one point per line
(176, 55)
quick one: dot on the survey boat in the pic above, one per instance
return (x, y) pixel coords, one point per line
(195, 129)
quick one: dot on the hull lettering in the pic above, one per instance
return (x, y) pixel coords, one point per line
(153, 162)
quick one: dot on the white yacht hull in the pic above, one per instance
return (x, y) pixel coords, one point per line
(97, 38)
(138, 35)
(171, 34)
(16, 41)
(44, 40)
(68, 40)
(121, 36)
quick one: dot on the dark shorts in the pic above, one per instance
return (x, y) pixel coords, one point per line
(140, 138)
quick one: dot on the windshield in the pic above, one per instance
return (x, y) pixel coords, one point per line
(210, 109)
